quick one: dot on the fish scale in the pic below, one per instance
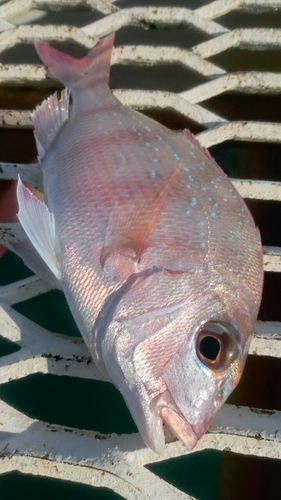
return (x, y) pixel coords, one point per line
(156, 252)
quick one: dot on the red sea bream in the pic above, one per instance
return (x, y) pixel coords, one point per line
(157, 254)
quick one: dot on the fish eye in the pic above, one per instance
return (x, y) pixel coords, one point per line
(217, 345)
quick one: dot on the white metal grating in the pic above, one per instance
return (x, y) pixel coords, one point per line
(85, 456)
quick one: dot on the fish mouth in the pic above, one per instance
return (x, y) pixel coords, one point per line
(179, 426)
(168, 412)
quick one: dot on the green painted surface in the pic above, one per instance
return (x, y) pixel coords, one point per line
(74, 402)
(15, 485)
(51, 311)
(196, 474)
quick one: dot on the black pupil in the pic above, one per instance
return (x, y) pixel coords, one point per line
(209, 347)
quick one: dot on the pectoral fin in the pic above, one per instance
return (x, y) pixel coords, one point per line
(39, 225)
(129, 235)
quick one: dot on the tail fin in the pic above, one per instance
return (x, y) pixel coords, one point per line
(69, 70)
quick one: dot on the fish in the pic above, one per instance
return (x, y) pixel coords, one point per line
(156, 252)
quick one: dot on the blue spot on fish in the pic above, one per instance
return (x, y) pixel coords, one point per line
(187, 212)
(201, 223)
(204, 188)
(148, 128)
(186, 169)
(213, 214)
(193, 202)
(187, 186)
(153, 174)
(191, 178)
(147, 144)
(159, 137)
(177, 157)
(202, 234)
(168, 146)
(202, 245)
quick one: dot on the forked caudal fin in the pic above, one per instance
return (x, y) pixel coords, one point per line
(70, 70)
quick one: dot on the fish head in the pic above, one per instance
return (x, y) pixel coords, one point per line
(199, 378)
(176, 363)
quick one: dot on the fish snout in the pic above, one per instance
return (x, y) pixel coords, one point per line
(175, 420)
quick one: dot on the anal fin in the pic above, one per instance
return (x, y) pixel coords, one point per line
(39, 225)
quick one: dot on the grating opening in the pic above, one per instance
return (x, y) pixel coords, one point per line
(76, 16)
(50, 311)
(210, 66)
(172, 119)
(170, 36)
(7, 347)
(261, 18)
(267, 215)
(24, 53)
(65, 401)
(191, 4)
(243, 59)
(234, 107)
(270, 305)
(17, 145)
(44, 488)
(170, 77)
(260, 386)
(249, 160)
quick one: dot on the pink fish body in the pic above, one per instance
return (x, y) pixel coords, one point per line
(156, 252)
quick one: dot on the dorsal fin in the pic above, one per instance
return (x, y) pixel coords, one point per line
(48, 120)
(134, 237)
(186, 134)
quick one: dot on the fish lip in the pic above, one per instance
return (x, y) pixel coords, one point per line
(179, 426)
(171, 415)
